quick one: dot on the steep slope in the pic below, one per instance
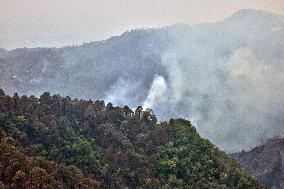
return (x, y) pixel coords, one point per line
(265, 162)
(113, 145)
(209, 73)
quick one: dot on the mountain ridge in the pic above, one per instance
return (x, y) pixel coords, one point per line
(59, 142)
(265, 162)
(180, 60)
(240, 13)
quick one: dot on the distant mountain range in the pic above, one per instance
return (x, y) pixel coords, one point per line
(226, 76)
(265, 162)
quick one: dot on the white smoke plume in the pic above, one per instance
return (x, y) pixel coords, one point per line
(226, 77)
(157, 93)
(234, 101)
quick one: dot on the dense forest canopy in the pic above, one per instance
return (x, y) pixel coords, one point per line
(59, 142)
(207, 73)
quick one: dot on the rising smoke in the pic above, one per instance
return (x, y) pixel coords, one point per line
(225, 77)
(231, 90)
(235, 101)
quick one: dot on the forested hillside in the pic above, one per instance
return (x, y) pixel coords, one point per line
(209, 73)
(265, 162)
(57, 142)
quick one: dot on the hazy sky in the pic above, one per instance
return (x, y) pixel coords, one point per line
(32, 23)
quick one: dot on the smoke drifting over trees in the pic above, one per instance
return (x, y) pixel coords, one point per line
(227, 77)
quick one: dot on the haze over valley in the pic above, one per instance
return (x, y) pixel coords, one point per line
(226, 77)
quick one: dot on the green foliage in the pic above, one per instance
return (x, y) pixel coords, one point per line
(51, 141)
(19, 170)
